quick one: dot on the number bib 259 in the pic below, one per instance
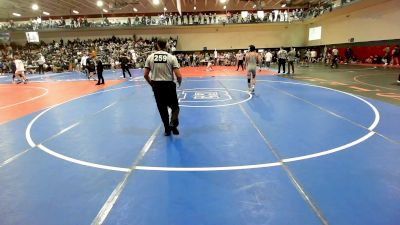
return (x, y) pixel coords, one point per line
(160, 58)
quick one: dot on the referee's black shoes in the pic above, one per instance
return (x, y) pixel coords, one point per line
(167, 133)
(175, 130)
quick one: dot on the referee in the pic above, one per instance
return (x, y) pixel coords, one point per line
(163, 66)
(239, 59)
(282, 55)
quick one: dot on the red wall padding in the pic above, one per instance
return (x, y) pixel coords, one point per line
(363, 52)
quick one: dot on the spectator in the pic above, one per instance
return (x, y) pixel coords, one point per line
(268, 58)
(313, 55)
(41, 61)
(386, 56)
(348, 54)
(395, 55)
(335, 59)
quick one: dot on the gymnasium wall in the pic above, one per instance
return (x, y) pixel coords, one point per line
(379, 21)
(194, 37)
(365, 21)
(241, 36)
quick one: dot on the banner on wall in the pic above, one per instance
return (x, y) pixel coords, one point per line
(32, 37)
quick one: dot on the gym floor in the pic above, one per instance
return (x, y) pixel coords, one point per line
(321, 147)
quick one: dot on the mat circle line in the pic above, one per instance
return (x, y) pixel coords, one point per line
(213, 106)
(207, 169)
(373, 85)
(46, 91)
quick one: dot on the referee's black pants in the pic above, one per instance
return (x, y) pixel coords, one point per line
(100, 78)
(240, 63)
(40, 68)
(165, 95)
(125, 68)
(281, 62)
(334, 61)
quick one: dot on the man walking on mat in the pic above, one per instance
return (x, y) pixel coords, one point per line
(163, 66)
(251, 60)
(124, 65)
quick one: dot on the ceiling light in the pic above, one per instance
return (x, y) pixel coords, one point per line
(135, 9)
(224, 6)
(16, 14)
(35, 7)
(156, 2)
(74, 11)
(46, 13)
(99, 3)
(194, 8)
(283, 5)
(105, 10)
(165, 9)
(254, 6)
(222, 1)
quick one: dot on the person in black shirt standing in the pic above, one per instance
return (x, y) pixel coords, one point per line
(163, 66)
(124, 65)
(100, 68)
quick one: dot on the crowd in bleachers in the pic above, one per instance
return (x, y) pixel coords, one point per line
(148, 20)
(193, 18)
(59, 56)
(62, 55)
